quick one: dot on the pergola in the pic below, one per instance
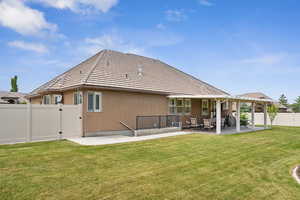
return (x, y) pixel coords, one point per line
(238, 99)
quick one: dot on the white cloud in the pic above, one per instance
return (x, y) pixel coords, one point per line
(16, 15)
(206, 3)
(36, 47)
(175, 15)
(111, 41)
(265, 59)
(80, 5)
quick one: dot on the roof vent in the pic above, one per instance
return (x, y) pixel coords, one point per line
(140, 70)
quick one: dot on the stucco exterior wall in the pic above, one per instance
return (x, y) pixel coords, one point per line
(36, 100)
(69, 97)
(122, 106)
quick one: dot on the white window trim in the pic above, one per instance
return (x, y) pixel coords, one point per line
(48, 95)
(94, 106)
(80, 94)
(202, 110)
(183, 107)
(56, 95)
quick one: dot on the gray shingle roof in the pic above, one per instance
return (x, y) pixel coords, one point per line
(111, 69)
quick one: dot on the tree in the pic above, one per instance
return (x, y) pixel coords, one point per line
(272, 111)
(14, 84)
(296, 106)
(283, 100)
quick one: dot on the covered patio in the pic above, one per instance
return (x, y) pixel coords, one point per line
(212, 113)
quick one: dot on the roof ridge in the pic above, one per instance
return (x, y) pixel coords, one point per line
(101, 53)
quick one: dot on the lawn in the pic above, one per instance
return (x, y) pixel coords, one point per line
(248, 166)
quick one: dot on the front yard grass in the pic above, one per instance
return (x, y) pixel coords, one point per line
(248, 166)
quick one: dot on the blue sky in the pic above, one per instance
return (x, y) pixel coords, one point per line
(238, 46)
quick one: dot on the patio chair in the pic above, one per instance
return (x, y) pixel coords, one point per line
(207, 124)
(194, 123)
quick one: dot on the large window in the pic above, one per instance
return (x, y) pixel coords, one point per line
(77, 98)
(94, 102)
(180, 106)
(47, 99)
(205, 109)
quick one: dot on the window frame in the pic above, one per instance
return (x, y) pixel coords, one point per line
(54, 99)
(173, 105)
(95, 94)
(77, 96)
(49, 98)
(203, 112)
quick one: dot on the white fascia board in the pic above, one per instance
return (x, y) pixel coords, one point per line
(221, 97)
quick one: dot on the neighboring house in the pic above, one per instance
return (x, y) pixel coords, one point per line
(260, 107)
(12, 97)
(114, 88)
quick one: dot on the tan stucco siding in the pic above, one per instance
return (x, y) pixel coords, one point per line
(123, 106)
(69, 97)
(36, 100)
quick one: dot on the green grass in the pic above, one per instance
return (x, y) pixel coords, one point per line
(248, 166)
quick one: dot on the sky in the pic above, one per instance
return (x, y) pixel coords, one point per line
(238, 46)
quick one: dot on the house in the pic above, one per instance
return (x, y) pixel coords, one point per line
(259, 107)
(12, 97)
(123, 92)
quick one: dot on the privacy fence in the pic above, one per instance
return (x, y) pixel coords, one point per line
(282, 119)
(25, 123)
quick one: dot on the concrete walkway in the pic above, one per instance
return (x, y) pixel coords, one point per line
(114, 139)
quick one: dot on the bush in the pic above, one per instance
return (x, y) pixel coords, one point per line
(244, 119)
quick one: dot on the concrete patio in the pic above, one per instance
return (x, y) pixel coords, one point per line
(114, 139)
(228, 130)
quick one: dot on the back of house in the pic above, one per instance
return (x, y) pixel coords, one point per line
(114, 88)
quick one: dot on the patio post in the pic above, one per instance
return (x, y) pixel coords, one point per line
(238, 112)
(265, 116)
(218, 117)
(253, 115)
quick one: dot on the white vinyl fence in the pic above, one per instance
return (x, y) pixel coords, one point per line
(25, 123)
(282, 119)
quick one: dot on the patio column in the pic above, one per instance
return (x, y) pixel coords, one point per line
(218, 117)
(253, 115)
(265, 116)
(238, 113)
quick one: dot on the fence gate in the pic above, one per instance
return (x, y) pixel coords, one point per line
(25, 123)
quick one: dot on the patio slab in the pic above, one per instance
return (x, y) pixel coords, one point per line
(228, 131)
(114, 139)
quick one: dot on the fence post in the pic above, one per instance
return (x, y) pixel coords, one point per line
(29, 123)
(60, 131)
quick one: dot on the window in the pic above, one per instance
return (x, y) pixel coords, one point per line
(57, 99)
(180, 106)
(94, 102)
(47, 99)
(77, 98)
(187, 106)
(172, 106)
(204, 107)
